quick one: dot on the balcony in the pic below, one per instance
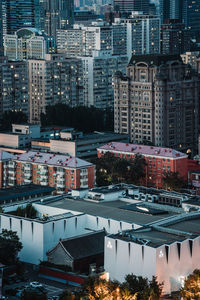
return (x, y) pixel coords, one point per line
(11, 171)
(43, 172)
(26, 180)
(60, 185)
(28, 168)
(44, 183)
(60, 172)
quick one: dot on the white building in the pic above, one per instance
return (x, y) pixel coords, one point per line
(98, 73)
(169, 249)
(83, 40)
(28, 43)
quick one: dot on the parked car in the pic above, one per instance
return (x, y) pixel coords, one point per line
(35, 284)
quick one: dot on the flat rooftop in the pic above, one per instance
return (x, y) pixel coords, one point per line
(21, 191)
(189, 225)
(152, 237)
(109, 210)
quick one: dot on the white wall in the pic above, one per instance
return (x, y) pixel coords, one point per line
(175, 270)
(122, 258)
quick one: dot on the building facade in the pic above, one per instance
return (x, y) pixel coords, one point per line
(175, 39)
(131, 5)
(158, 102)
(143, 33)
(83, 40)
(57, 79)
(159, 161)
(13, 86)
(160, 250)
(60, 171)
(58, 14)
(28, 43)
(19, 14)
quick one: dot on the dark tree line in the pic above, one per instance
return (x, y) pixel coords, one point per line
(12, 117)
(86, 119)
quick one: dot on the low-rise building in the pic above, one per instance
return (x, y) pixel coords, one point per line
(160, 249)
(60, 171)
(159, 161)
(79, 252)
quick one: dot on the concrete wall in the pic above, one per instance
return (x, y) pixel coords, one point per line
(63, 147)
(173, 271)
(122, 258)
(126, 257)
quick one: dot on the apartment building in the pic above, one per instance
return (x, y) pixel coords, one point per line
(83, 40)
(14, 86)
(98, 74)
(143, 33)
(60, 171)
(175, 39)
(57, 79)
(28, 43)
(159, 161)
(158, 102)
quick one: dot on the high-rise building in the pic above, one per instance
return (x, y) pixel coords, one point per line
(59, 14)
(187, 11)
(175, 39)
(55, 79)
(158, 102)
(1, 30)
(143, 34)
(28, 43)
(19, 14)
(98, 73)
(83, 40)
(13, 86)
(191, 16)
(131, 5)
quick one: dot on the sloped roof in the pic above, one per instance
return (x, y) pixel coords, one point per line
(5, 155)
(85, 245)
(143, 150)
(52, 159)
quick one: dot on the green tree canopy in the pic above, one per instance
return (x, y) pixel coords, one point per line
(172, 181)
(191, 289)
(112, 169)
(9, 247)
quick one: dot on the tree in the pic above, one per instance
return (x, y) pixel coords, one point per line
(144, 288)
(191, 289)
(172, 181)
(29, 211)
(111, 169)
(98, 289)
(86, 119)
(9, 247)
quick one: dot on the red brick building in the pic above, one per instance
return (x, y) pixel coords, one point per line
(159, 160)
(60, 171)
